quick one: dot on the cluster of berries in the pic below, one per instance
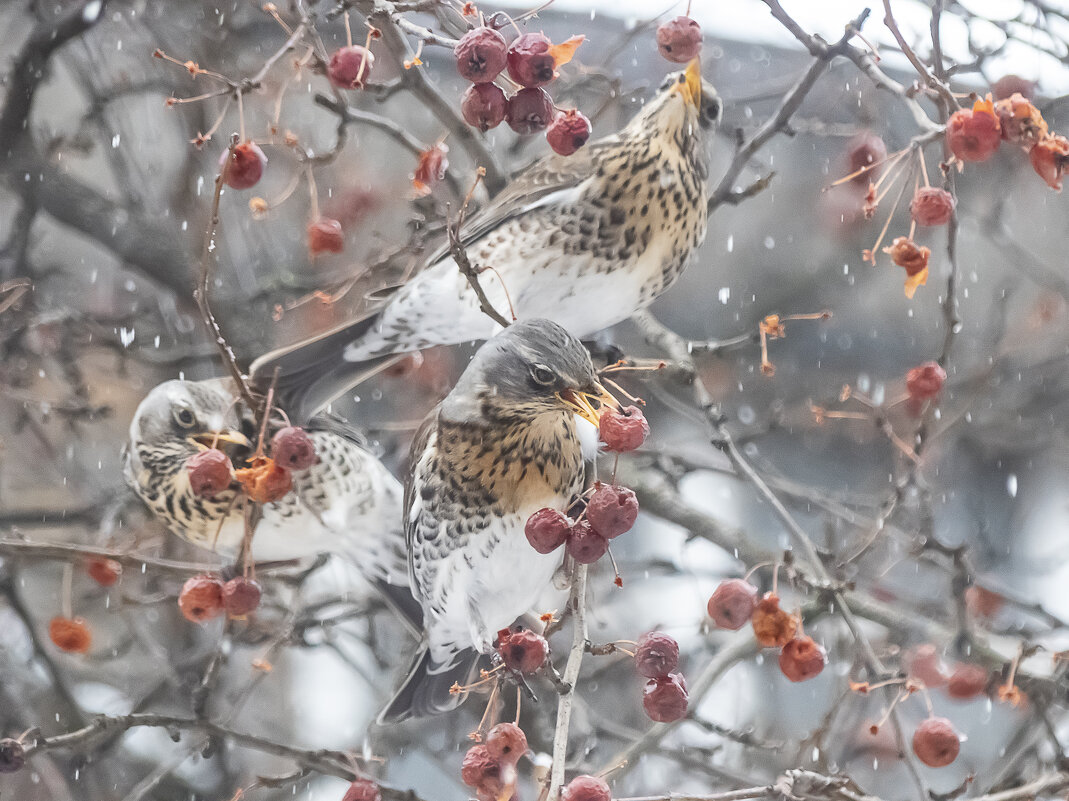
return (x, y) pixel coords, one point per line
(266, 480)
(532, 61)
(664, 697)
(205, 597)
(735, 602)
(489, 767)
(966, 680)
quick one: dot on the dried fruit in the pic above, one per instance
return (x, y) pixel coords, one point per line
(732, 604)
(12, 755)
(533, 59)
(665, 698)
(246, 166)
(625, 430)
(864, 150)
(772, 626)
(70, 634)
(936, 742)
(547, 530)
(568, 132)
(586, 788)
(656, 654)
(1049, 158)
(241, 596)
(585, 545)
(922, 662)
(103, 571)
(325, 235)
(362, 790)
(201, 598)
(974, 134)
(507, 742)
(1008, 85)
(523, 650)
(430, 169)
(967, 681)
(529, 111)
(913, 258)
(265, 481)
(925, 381)
(612, 510)
(485, 772)
(210, 472)
(679, 39)
(1021, 122)
(481, 54)
(350, 66)
(484, 106)
(932, 206)
(292, 448)
(802, 658)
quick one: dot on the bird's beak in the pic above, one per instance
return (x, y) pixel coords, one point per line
(691, 86)
(588, 404)
(213, 439)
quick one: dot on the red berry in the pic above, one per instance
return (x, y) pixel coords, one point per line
(773, 627)
(974, 134)
(923, 662)
(241, 596)
(12, 755)
(932, 206)
(210, 472)
(936, 742)
(484, 106)
(982, 602)
(547, 530)
(485, 772)
(103, 571)
(350, 66)
(362, 790)
(430, 169)
(665, 698)
(70, 634)
(523, 651)
(1050, 157)
(264, 481)
(246, 166)
(568, 132)
(864, 149)
(585, 545)
(679, 39)
(586, 788)
(529, 111)
(201, 598)
(507, 742)
(1008, 85)
(481, 54)
(801, 659)
(612, 510)
(292, 448)
(623, 431)
(656, 654)
(925, 381)
(1021, 122)
(325, 236)
(732, 604)
(530, 61)
(967, 681)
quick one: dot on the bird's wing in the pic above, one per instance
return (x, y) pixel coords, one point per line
(413, 481)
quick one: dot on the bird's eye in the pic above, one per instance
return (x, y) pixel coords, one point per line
(543, 375)
(184, 416)
(712, 108)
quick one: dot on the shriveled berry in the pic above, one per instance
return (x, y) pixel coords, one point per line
(103, 571)
(362, 790)
(430, 169)
(486, 772)
(507, 742)
(529, 111)
(612, 510)
(350, 66)
(923, 662)
(70, 634)
(481, 54)
(773, 627)
(523, 651)
(568, 132)
(210, 472)
(325, 235)
(936, 742)
(12, 755)
(625, 430)
(530, 60)
(586, 788)
(732, 604)
(241, 596)
(932, 206)
(656, 654)
(1021, 122)
(484, 106)
(802, 658)
(974, 134)
(201, 598)
(246, 166)
(679, 39)
(547, 530)
(265, 481)
(864, 150)
(925, 381)
(665, 698)
(1050, 157)
(585, 545)
(967, 681)
(292, 448)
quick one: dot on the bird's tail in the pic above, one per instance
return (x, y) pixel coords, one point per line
(314, 372)
(426, 690)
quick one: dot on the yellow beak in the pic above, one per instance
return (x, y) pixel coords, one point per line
(691, 85)
(213, 439)
(588, 405)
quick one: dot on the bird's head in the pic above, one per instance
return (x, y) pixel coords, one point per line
(685, 101)
(530, 368)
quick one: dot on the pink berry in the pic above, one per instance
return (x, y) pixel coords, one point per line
(523, 651)
(623, 431)
(612, 510)
(936, 742)
(568, 132)
(362, 790)
(802, 658)
(530, 61)
(864, 150)
(210, 472)
(484, 106)
(925, 381)
(547, 530)
(12, 755)
(241, 596)
(350, 66)
(529, 111)
(483, 770)
(656, 654)
(679, 39)
(325, 236)
(507, 742)
(967, 681)
(246, 166)
(1009, 85)
(922, 662)
(932, 206)
(586, 788)
(974, 134)
(201, 598)
(292, 448)
(481, 54)
(665, 698)
(732, 604)
(585, 545)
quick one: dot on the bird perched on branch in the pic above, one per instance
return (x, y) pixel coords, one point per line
(503, 444)
(584, 240)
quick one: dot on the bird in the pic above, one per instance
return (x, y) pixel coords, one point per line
(584, 240)
(347, 502)
(507, 441)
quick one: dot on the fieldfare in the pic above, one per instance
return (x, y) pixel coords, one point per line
(503, 444)
(584, 240)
